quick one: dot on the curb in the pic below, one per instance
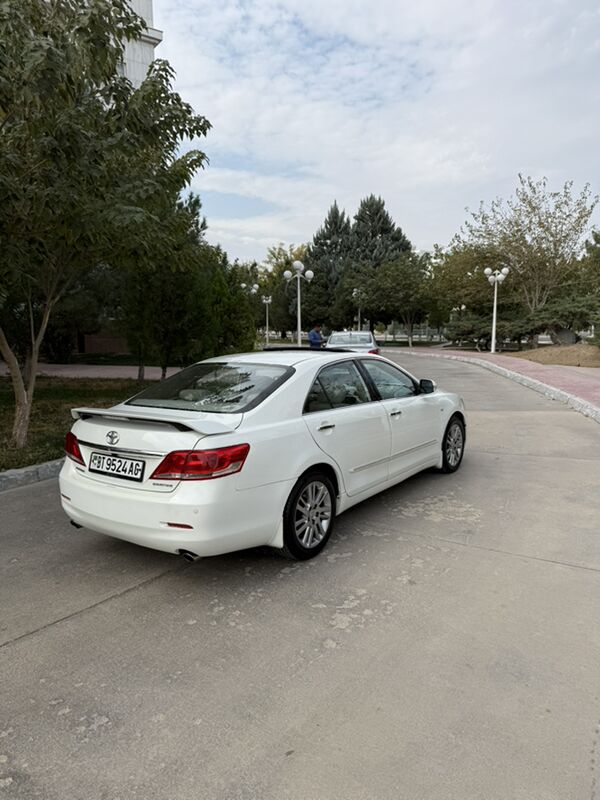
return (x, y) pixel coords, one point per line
(13, 478)
(571, 400)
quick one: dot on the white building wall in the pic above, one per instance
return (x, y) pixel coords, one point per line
(140, 54)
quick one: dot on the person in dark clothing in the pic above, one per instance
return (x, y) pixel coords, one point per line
(314, 337)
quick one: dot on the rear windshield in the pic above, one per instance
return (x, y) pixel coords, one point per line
(350, 338)
(224, 388)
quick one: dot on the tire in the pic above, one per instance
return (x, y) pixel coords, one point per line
(453, 445)
(308, 517)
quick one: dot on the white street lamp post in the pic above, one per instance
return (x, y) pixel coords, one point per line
(267, 301)
(357, 295)
(298, 268)
(250, 289)
(495, 277)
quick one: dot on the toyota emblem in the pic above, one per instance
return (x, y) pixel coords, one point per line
(112, 437)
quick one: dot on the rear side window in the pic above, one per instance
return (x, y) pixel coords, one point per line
(219, 387)
(337, 386)
(316, 399)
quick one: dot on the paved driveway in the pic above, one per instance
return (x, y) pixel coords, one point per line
(445, 645)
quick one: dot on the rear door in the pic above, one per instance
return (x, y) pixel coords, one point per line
(349, 426)
(414, 417)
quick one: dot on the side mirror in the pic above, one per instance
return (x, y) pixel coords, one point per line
(427, 386)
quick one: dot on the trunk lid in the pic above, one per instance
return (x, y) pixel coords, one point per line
(135, 441)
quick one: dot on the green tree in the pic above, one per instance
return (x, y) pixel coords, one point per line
(89, 303)
(375, 239)
(283, 295)
(397, 290)
(591, 278)
(539, 234)
(232, 325)
(327, 256)
(81, 152)
(164, 290)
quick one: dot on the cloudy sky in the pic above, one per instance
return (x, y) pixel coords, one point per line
(433, 105)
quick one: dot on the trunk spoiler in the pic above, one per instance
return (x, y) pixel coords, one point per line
(207, 427)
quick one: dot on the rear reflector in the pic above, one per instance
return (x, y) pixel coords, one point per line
(375, 351)
(201, 465)
(72, 449)
(179, 525)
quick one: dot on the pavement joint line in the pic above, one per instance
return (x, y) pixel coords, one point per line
(518, 555)
(179, 568)
(572, 400)
(529, 455)
(472, 545)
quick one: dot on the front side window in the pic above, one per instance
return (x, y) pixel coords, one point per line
(390, 382)
(342, 385)
(224, 388)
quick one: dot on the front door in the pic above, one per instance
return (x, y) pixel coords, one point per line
(415, 418)
(349, 426)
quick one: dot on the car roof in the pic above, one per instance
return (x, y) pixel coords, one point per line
(285, 357)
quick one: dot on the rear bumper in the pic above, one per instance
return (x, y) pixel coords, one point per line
(223, 519)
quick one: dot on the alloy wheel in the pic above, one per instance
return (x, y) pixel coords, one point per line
(454, 444)
(312, 515)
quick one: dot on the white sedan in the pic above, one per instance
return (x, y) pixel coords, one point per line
(264, 448)
(357, 341)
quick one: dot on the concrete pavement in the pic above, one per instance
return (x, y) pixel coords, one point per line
(445, 646)
(583, 382)
(579, 391)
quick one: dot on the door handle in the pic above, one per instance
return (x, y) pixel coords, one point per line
(396, 413)
(326, 426)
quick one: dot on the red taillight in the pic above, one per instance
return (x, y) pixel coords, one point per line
(375, 351)
(200, 465)
(72, 449)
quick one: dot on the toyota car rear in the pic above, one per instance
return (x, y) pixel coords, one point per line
(160, 469)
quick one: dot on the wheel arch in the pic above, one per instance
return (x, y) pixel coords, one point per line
(458, 413)
(332, 474)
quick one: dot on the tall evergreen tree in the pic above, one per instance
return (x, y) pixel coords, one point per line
(327, 256)
(376, 239)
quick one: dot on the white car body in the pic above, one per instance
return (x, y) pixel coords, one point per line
(365, 448)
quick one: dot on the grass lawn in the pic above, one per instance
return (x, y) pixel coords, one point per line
(51, 418)
(572, 355)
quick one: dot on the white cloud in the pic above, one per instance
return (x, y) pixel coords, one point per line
(433, 105)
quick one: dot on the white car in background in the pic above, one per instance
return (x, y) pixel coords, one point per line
(264, 448)
(357, 341)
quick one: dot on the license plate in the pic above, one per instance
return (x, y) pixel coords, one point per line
(129, 468)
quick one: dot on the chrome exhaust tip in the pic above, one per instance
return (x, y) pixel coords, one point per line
(189, 557)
